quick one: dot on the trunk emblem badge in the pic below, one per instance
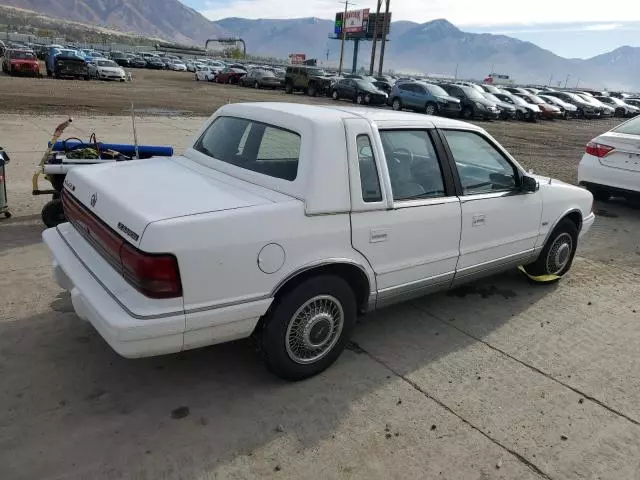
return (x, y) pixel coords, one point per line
(94, 199)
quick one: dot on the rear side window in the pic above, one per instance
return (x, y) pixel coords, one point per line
(252, 145)
(632, 127)
(369, 181)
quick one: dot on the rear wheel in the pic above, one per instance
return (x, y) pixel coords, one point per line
(307, 328)
(288, 87)
(313, 91)
(335, 95)
(431, 109)
(557, 255)
(396, 104)
(53, 213)
(620, 112)
(580, 113)
(467, 113)
(256, 85)
(519, 115)
(359, 99)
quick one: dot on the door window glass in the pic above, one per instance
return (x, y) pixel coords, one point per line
(482, 168)
(369, 180)
(413, 166)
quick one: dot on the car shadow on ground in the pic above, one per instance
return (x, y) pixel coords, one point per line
(202, 409)
(20, 232)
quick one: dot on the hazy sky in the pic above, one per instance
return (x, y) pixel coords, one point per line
(568, 28)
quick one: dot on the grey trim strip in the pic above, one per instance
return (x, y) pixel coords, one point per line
(424, 202)
(494, 264)
(217, 306)
(414, 289)
(162, 315)
(416, 284)
(320, 263)
(115, 299)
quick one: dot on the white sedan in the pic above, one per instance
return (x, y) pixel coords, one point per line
(205, 73)
(105, 69)
(178, 67)
(289, 220)
(611, 162)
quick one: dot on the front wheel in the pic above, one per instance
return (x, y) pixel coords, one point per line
(467, 113)
(335, 95)
(431, 109)
(396, 104)
(307, 328)
(557, 255)
(288, 88)
(359, 99)
(256, 85)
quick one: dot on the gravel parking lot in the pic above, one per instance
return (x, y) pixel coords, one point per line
(500, 379)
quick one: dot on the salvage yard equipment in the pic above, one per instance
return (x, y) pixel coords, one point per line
(62, 156)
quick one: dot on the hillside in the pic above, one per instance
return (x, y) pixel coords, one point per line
(168, 19)
(436, 47)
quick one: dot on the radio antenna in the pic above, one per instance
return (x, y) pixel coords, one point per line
(135, 132)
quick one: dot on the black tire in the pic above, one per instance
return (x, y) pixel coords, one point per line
(431, 108)
(599, 194)
(560, 248)
(313, 91)
(359, 99)
(53, 214)
(467, 113)
(519, 115)
(273, 335)
(256, 85)
(7, 214)
(620, 112)
(288, 88)
(396, 104)
(580, 113)
(335, 95)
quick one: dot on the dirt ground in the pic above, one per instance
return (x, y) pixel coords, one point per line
(501, 379)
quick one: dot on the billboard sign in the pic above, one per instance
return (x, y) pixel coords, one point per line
(297, 58)
(356, 21)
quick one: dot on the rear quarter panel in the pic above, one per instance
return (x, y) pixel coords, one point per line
(218, 252)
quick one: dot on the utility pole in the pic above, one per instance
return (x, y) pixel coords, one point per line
(344, 34)
(567, 80)
(385, 31)
(375, 38)
(456, 74)
(550, 79)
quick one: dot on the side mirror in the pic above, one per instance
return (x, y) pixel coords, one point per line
(529, 184)
(4, 156)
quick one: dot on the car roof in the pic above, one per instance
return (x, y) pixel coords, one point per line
(319, 115)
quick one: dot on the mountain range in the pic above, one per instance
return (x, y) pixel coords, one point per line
(435, 47)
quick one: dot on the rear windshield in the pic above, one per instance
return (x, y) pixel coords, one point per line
(252, 145)
(632, 127)
(23, 55)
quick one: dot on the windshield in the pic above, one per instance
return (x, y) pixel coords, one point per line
(107, 63)
(317, 72)
(535, 99)
(23, 55)
(435, 90)
(472, 93)
(492, 97)
(632, 127)
(519, 101)
(365, 84)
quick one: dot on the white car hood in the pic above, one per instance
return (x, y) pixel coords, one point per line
(130, 195)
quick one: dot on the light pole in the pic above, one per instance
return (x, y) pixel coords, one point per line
(344, 34)
(566, 82)
(375, 38)
(385, 31)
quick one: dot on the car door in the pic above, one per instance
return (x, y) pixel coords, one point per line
(405, 215)
(500, 223)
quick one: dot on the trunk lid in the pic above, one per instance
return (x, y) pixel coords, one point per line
(626, 155)
(129, 195)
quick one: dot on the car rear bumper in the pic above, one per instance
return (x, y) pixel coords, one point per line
(132, 335)
(592, 173)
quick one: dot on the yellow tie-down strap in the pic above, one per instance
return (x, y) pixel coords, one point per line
(539, 278)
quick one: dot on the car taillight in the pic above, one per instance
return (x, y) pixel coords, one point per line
(598, 149)
(155, 275)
